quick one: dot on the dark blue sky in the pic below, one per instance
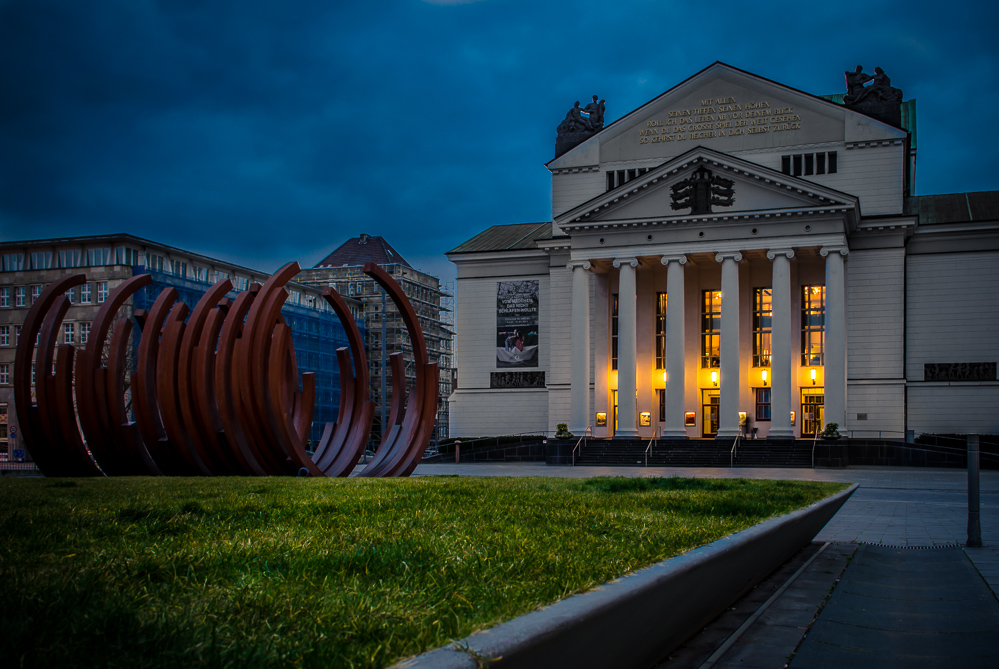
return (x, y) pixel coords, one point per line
(261, 132)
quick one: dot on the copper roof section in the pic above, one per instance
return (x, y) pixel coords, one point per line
(515, 237)
(954, 207)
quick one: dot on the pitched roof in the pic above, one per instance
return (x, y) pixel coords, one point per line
(954, 207)
(359, 250)
(515, 237)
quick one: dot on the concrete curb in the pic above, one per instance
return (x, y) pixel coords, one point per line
(637, 619)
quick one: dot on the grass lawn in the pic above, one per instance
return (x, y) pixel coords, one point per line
(241, 572)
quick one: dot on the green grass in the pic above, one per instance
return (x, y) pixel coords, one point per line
(160, 572)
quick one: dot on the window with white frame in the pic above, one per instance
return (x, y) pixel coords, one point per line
(813, 311)
(84, 333)
(70, 258)
(17, 334)
(85, 294)
(36, 291)
(71, 294)
(4, 335)
(4, 298)
(5, 374)
(98, 257)
(20, 293)
(102, 291)
(12, 262)
(68, 333)
(41, 260)
(762, 325)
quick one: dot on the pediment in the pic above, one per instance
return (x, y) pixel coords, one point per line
(738, 188)
(728, 110)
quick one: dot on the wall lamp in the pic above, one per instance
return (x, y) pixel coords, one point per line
(764, 378)
(813, 376)
(714, 378)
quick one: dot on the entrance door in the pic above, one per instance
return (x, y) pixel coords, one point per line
(812, 411)
(614, 400)
(709, 412)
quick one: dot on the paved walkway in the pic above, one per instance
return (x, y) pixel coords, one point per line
(904, 591)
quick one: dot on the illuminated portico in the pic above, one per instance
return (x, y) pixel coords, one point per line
(750, 276)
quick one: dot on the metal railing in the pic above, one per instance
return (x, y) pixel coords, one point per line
(735, 445)
(579, 444)
(655, 437)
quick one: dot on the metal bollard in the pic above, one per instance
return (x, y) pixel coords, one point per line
(974, 515)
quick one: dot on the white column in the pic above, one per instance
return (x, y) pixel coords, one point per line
(780, 346)
(730, 377)
(579, 393)
(835, 335)
(675, 346)
(627, 349)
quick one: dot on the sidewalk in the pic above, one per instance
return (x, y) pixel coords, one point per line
(904, 591)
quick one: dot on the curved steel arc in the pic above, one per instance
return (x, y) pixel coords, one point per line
(32, 431)
(203, 391)
(145, 404)
(193, 330)
(91, 410)
(342, 447)
(134, 457)
(233, 438)
(418, 423)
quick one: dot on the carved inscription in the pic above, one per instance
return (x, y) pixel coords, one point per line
(516, 379)
(720, 117)
(959, 371)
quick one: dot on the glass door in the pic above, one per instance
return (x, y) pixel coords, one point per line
(812, 411)
(709, 412)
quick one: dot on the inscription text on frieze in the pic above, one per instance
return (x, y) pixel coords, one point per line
(720, 117)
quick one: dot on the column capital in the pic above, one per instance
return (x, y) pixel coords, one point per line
(573, 264)
(773, 253)
(666, 260)
(626, 261)
(826, 250)
(734, 255)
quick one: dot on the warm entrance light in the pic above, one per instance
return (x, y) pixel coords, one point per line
(714, 378)
(664, 377)
(813, 376)
(764, 377)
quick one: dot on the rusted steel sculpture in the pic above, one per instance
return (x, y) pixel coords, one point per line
(215, 392)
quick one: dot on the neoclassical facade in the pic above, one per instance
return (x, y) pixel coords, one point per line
(734, 256)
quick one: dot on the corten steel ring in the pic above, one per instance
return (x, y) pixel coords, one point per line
(47, 456)
(342, 446)
(400, 455)
(90, 406)
(215, 393)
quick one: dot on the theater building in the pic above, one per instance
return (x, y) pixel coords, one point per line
(735, 256)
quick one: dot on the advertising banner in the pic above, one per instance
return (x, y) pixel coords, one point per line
(517, 324)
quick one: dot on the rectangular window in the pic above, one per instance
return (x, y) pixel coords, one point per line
(125, 256)
(36, 292)
(19, 296)
(785, 164)
(711, 328)
(13, 262)
(71, 294)
(813, 309)
(84, 333)
(41, 260)
(809, 164)
(68, 333)
(762, 324)
(4, 374)
(762, 404)
(614, 333)
(661, 396)
(820, 163)
(17, 334)
(796, 162)
(85, 294)
(4, 298)
(98, 257)
(102, 291)
(831, 160)
(4, 335)
(660, 330)
(70, 258)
